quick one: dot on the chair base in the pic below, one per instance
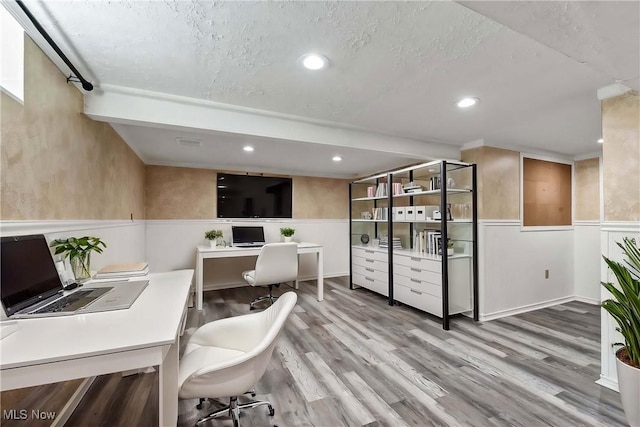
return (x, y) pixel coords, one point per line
(269, 298)
(233, 410)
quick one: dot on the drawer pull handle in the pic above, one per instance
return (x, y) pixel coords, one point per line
(370, 260)
(415, 292)
(417, 270)
(416, 280)
(369, 252)
(416, 259)
(370, 269)
(369, 279)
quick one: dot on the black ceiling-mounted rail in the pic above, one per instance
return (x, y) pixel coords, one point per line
(76, 77)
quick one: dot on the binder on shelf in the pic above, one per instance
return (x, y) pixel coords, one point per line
(131, 269)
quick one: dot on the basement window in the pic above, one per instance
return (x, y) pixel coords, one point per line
(12, 54)
(546, 196)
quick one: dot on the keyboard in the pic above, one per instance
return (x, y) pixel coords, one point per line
(63, 302)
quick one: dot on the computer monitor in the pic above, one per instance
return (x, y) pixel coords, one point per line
(247, 236)
(27, 272)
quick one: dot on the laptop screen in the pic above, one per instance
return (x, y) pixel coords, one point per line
(247, 234)
(27, 272)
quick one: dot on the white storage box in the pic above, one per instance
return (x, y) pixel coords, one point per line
(410, 213)
(400, 213)
(421, 213)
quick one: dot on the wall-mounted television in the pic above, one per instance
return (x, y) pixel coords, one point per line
(250, 196)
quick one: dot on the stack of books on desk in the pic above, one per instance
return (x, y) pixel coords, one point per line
(116, 271)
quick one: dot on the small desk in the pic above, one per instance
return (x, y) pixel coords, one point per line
(206, 252)
(53, 349)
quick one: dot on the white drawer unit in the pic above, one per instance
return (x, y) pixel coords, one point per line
(418, 299)
(383, 276)
(434, 289)
(418, 262)
(370, 282)
(364, 252)
(372, 263)
(418, 273)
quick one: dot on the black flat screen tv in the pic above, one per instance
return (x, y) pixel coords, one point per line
(249, 196)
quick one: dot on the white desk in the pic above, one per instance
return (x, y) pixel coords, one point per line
(206, 252)
(49, 350)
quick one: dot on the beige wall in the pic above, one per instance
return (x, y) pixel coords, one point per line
(57, 163)
(498, 173)
(180, 193)
(587, 189)
(320, 198)
(621, 157)
(185, 193)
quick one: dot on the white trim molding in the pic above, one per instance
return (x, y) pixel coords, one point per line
(587, 223)
(525, 308)
(586, 300)
(631, 226)
(13, 228)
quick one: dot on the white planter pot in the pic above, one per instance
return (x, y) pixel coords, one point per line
(212, 243)
(288, 239)
(629, 386)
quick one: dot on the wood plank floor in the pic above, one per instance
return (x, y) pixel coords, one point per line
(354, 361)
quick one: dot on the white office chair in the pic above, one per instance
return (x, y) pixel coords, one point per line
(277, 263)
(227, 357)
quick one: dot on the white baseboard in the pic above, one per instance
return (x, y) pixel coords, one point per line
(586, 300)
(609, 383)
(525, 308)
(71, 405)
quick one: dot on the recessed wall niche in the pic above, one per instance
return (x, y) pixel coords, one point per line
(546, 193)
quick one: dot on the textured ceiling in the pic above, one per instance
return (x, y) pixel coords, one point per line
(396, 67)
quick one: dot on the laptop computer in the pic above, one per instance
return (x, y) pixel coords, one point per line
(247, 237)
(31, 287)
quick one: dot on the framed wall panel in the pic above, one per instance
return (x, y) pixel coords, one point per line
(547, 193)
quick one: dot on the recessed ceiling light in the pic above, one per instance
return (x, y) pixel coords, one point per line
(600, 141)
(247, 148)
(467, 102)
(314, 61)
(337, 158)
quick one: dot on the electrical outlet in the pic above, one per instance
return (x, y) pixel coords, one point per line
(546, 274)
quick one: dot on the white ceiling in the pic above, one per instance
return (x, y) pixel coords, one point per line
(396, 69)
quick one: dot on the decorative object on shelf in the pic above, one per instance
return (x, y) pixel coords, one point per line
(366, 215)
(78, 250)
(436, 215)
(412, 187)
(450, 248)
(364, 239)
(449, 217)
(371, 191)
(214, 237)
(624, 307)
(287, 233)
(451, 183)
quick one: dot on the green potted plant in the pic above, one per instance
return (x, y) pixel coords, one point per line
(287, 233)
(624, 307)
(78, 250)
(214, 237)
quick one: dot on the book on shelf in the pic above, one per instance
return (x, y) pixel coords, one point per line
(381, 191)
(371, 191)
(397, 188)
(131, 269)
(380, 213)
(396, 242)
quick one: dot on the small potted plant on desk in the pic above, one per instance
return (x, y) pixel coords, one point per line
(624, 307)
(78, 250)
(214, 237)
(287, 233)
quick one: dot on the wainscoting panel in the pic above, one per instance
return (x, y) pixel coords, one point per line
(512, 268)
(172, 245)
(611, 232)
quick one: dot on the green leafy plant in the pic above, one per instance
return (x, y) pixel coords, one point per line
(287, 231)
(624, 307)
(78, 250)
(213, 234)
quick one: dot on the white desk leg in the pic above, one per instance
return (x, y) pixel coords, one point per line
(199, 274)
(168, 387)
(320, 276)
(296, 285)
